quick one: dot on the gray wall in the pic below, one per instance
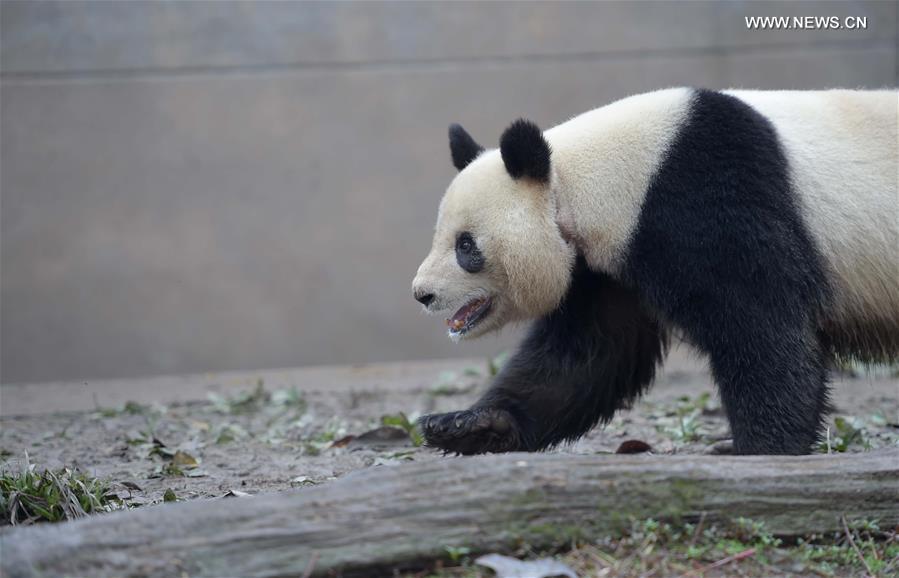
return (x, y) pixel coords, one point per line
(208, 186)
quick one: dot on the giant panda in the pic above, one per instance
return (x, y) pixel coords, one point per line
(760, 227)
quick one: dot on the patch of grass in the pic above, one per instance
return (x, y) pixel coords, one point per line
(743, 547)
(853, 434)
(847, 433)
(861, 546)
(674, 549)
(702, 403)
(31, 496)
(683, 423)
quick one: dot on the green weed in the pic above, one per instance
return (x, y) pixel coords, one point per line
(683, 423)
(402, 421)
(457, 554)
(30, 496)
(845, 434)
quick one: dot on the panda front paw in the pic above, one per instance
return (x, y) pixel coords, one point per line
(472, 431)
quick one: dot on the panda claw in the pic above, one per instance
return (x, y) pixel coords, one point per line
(472, 431)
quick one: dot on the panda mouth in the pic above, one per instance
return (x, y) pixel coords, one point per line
(468, 316)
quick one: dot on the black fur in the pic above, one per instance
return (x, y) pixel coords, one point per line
(468, 255)
(721, 252)
(463, 148)
(525, 152)
(595, 354)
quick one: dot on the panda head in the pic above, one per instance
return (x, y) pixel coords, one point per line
(498, 254)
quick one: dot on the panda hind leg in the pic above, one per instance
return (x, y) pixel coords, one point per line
(774, 391)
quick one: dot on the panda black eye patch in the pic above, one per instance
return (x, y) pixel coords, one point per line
(468, 255)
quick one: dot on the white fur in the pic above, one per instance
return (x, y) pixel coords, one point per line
(842, 148)
(603, 161)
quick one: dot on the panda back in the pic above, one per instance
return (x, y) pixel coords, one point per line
(842, 147)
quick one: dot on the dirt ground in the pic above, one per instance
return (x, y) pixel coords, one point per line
(273, 431)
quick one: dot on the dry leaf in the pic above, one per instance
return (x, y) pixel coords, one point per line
(633, 447)
(184, 460)
(236, 494)
(384, 436)
(343, 442)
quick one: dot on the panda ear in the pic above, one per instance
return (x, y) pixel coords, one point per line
(463, 148)
(525, 151)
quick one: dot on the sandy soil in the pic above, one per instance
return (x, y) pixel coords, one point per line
(288, 431)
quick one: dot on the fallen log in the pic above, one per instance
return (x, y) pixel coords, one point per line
(389, 517)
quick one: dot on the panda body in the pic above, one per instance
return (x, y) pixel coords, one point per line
(762, 226)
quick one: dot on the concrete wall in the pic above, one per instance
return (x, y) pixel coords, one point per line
(209, 186)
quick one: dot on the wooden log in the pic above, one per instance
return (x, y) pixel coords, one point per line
(388, 517)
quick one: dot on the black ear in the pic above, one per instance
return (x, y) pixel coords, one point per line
(462, 146)
(525, 151)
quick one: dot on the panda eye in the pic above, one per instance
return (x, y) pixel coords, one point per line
(468, 255)
(465, 243)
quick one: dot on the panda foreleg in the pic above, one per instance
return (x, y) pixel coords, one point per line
(595, 354)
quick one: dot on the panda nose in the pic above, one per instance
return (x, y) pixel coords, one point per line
(424, 298)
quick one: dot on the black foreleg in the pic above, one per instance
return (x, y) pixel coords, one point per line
(595, 354)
